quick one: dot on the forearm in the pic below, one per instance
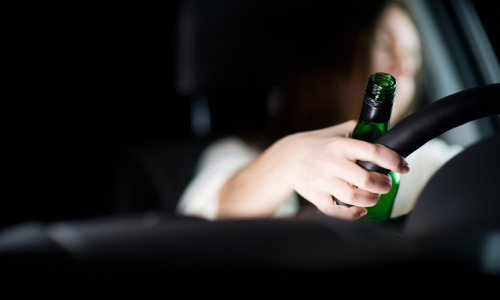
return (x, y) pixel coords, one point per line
(255, 191)
(316, 164)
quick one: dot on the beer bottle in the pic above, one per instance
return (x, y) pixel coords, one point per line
(372, 124)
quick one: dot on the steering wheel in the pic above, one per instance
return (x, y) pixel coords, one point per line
(454, 223)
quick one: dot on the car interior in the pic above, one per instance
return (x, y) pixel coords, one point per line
(145, 86)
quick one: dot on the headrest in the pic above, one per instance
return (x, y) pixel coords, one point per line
(229, 44)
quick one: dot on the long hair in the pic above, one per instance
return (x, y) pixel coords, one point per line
(328, 67)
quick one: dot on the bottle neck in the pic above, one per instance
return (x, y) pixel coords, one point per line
(369, 131)
(377, 107)
(375, 113)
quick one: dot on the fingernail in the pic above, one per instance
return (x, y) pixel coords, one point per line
(363, 213)
(406, 168)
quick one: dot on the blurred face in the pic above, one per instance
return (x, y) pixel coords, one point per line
(396, 51)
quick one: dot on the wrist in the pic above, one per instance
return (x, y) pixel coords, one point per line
(278, 159)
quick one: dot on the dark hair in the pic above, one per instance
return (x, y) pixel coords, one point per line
(328, 66)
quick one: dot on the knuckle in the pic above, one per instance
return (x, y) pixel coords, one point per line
(372, 150)
(366, 180)
(333, 144)
(350, 145)
(398, 162)
(321, 207)
(372, 200)
(388, 184)
(337, 141)
(325, 207)
(337, 145)
(349, 196)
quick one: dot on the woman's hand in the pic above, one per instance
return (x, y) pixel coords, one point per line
(322, 163)
(316, 164)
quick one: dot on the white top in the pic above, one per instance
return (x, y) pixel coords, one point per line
(222, 159)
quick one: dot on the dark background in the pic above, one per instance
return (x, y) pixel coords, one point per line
(88, 81)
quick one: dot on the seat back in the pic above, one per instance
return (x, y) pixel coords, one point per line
(462, 194)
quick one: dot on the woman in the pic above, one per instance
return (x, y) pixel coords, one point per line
(324, 86)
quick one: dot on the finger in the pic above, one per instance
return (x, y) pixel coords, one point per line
(327, 205)
(350, 213)
(372, 182)
(349, 194)
(377, 154)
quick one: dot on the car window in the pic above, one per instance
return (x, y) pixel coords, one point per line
(457, 56)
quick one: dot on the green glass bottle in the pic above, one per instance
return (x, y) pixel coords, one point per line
(372, 124)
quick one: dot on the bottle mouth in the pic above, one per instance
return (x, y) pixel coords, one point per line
(381, 87)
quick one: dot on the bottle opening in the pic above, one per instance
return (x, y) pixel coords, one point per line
(381, 87)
